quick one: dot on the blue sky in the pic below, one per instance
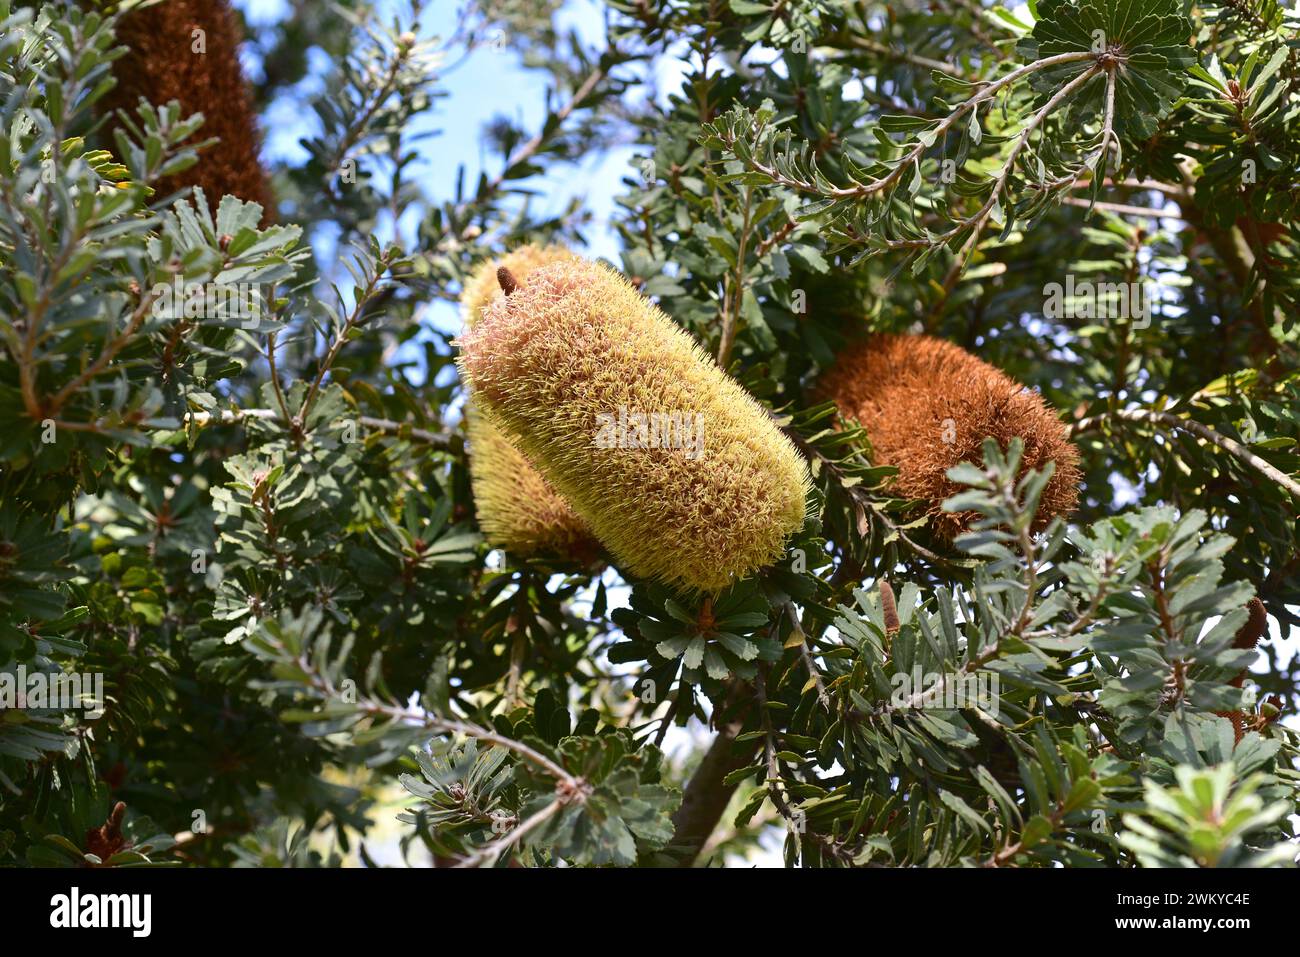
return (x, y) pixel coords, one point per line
(489, 83)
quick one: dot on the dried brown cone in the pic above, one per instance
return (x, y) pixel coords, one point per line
(162, 64)
(928, 405)
(889, 609)
(1248, 636)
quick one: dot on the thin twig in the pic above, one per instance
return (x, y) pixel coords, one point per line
(275, 376)
(731, 309)
(1231, 446)
(353, 321)
(110, 350)
(863, 190)
(526, 151)
(489, 853)
(1121, 209)
(388, 426)
(667, 720)
(793, 614)
(976, 222)
(856, 42)
(325, 688)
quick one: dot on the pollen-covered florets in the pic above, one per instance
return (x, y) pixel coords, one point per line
(483, 288)
(677, 469)
(517, 508)
(927, 405)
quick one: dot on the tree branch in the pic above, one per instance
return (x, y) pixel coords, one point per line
(441, 440)
(1169, 420)
(706, 797)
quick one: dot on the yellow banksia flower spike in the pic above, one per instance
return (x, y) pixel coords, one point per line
(517, 508)
(678, 470)
(927, 405)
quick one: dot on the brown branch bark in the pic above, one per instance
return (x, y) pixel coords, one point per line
(706, 797)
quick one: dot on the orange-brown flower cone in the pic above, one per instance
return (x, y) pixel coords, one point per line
(1248, 636)
(162, 65)
(928, 405)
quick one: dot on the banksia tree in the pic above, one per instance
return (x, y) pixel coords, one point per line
(517, 508)
(679, 472)
(188, 51)
(267, 549)
(928, 405)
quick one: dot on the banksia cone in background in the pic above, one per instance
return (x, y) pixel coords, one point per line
(188, 50)
(928, 405)
(676, 468)
(1248, 636)
(517, 508)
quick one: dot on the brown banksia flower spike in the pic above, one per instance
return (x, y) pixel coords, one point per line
(1248, 635)
(889, 609)
(678, 470)
(188, 50)
(928, 405)
(107, 839)
(517, 508)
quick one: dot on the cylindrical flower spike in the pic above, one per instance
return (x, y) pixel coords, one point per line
(1248, 636)
(679, 471)
(188, 50)
(928, 405)
(517, 508)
